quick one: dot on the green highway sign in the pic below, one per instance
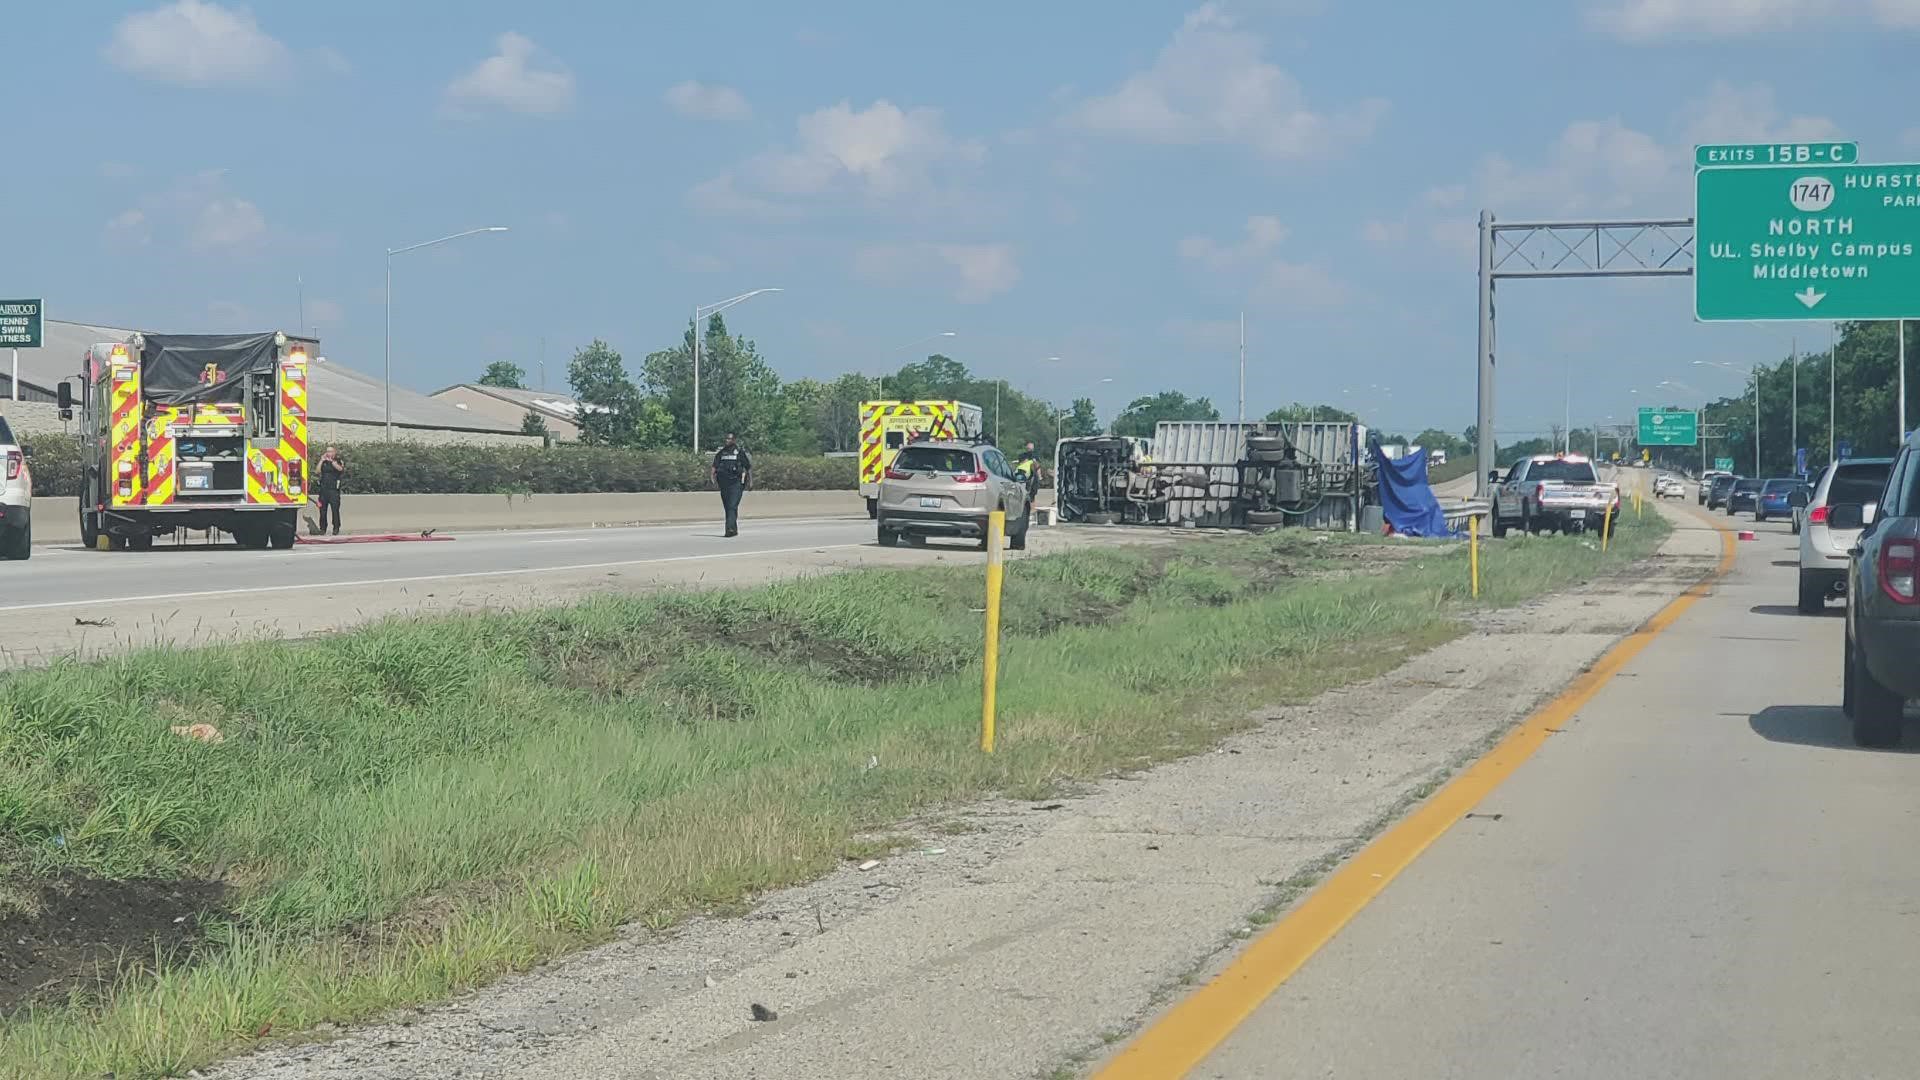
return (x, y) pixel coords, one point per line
(19, 324)
(1834, 153)
(1724, 464)
(1669, 427)
(1795, 242)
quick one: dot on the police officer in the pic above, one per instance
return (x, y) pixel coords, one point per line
(732, 472)
(1027, 465)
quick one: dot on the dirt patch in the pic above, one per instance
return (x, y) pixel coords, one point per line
(75, 932)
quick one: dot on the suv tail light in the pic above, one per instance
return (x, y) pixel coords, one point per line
(15, 461)
(896, 474)
(978, 476)
(1899, 564)
(1817, 516)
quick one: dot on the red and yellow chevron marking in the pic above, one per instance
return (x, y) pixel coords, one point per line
(879, 417)
(125, 434)
(159, 482)
(293, 426)
(267, 479)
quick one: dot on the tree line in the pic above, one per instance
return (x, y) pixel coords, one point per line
(740, 392)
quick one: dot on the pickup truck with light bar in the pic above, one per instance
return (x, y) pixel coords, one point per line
(194, 431)
(1551, 491)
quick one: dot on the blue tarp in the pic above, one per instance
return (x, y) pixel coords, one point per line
(1406, 499)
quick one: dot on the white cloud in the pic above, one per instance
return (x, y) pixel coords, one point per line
(708, 101)
(882, 152)
(228, 226)
(129, 227)
(1736, 114)
(518, 78)
(1263, 234)
(1384, 234)
(1213, 84)
(1300, 285)
(1594, 166)
(1665, 20)
(973, 272)
(197, 43)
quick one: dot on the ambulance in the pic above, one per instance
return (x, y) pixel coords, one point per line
(885, 426)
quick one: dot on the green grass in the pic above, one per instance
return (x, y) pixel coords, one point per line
(418, 807)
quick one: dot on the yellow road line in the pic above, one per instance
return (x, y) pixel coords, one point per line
(1187, 1033)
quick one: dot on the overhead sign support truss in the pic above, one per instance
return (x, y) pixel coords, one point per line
(1661, 247)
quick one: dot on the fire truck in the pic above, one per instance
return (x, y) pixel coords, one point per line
(885, 426)
(195, 431)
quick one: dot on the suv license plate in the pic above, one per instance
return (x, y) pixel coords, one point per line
(931, 501)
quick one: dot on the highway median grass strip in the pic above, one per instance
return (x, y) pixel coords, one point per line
(398, 813)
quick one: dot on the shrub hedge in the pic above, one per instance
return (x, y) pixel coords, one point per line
(404, 468)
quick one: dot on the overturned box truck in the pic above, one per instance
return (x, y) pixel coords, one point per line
(1217, 474)
(196, 431)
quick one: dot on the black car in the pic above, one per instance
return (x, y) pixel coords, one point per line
(1881, 663)
(1718, 490)
(1744, 495)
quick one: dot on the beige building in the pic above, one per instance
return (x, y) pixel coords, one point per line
(498, 406)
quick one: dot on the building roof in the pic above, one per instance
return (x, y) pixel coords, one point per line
(335, 392)
(558, 406)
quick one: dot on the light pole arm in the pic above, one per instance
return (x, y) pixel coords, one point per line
(391, 252)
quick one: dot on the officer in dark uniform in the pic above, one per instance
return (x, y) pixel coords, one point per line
(732, 472)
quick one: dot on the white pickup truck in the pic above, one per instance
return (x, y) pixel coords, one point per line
(1551, 491)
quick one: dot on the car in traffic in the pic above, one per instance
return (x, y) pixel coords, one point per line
(948, 489)
(1797, 501)
(16, 496)
(1775, 498)
(1824, 547)
(1744, 495)
(1668, 486)
(1706, 484)
(1718, 491)
(1881, 655)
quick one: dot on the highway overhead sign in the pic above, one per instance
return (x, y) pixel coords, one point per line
(1669, 427)
(1829, 153)
(1724, 464)
(19, 324)
(1786, 242)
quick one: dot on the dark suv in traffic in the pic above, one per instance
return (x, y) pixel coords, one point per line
(1718, 491)
(1882, 655)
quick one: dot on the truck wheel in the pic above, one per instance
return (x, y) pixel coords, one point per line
(1813, 598)
(1103, 518)
(89, 531)
(1876, 709)
(1267, 457)
(284, 533)
(142, 542)
(251, 537)
(1499, 524)
(1528, 523)
(873, 509)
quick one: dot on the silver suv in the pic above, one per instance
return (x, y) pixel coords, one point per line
(16, 497)
(1823, 548)
(947, 489)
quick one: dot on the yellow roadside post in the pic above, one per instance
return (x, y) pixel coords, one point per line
(1606, 529)
(1473, 551)
(996, 569)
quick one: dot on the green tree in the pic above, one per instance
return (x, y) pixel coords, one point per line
(739, 392)
(534, 424)
(504, 374)
(836, 419)
(1299, 412)
(1142, 415)
(610, 413)
(1081, 420)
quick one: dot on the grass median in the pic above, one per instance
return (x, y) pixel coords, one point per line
(394, 814)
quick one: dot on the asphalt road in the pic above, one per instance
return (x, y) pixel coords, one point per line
(76, 577)
(1700, 875)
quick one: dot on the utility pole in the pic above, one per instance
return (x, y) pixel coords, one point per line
(1567, 418)
(543, 365)
(300, 285)
(1793, 411)
(1833, 383)
(1902, 439)
(1243, 368)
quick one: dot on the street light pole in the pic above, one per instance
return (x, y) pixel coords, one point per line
(700, 314)
(391, 252)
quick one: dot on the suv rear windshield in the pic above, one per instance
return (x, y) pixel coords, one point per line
(1746, 483)
(1575, 471)
(1722, 482)
(6, 433)
(938, 459)
(1858, 483)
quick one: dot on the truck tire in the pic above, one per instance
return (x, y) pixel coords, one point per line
(1267, 457)
(140, 542)
(1528, 523)
(1813, 598)
(1876, 709)
(1266, 517)
(89, 531)
(1103, 518)
(251, 537)
(1499, 524)
(873, 509)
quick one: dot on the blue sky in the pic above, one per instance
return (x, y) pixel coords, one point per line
(1110, 184)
